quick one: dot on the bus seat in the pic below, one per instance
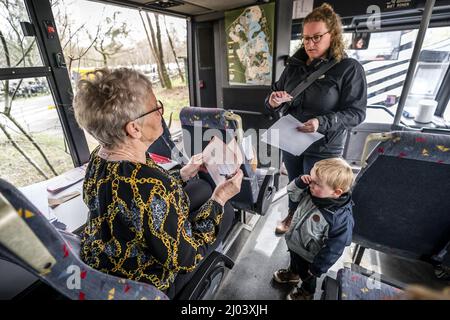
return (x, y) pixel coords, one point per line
(360, 284)
(401, 195)
(164, 146)
(257, 192)
(30, 241)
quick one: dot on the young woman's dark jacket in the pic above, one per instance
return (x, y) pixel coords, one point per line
(338, 99)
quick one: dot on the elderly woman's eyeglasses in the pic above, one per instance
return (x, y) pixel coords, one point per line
(315, 38)
(159, 108)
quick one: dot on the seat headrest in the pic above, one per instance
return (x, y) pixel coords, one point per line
(209, 118)
(412, 145)
(68, 275)
(17, 236)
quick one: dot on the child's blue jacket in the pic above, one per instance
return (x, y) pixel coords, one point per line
(319, 235)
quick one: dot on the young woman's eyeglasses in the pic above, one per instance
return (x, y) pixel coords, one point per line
(315, 38)
(159, 108)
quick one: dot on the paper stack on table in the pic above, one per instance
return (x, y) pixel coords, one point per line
(284, 135)
(67, 179)
(38, 195)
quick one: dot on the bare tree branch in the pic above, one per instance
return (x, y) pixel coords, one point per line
(83, 53)
(33, 142)
(71, 35)
(9, 103)
(8, 107)
(152, 48)
(161, 53)
(26, 52)
(22, 152)
(173, 50)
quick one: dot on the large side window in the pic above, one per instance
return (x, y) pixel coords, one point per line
(447, 113)
(385, 57)
(95, 35)
(386, 61)
(33, 147)
(16, 50)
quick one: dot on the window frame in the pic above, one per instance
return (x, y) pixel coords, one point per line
(400, 21)
(57, 77)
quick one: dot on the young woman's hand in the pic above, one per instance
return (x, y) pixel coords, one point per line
(192, 167)
(278, 97)
(309, 126)
(228, 189)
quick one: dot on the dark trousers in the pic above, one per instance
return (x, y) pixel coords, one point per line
(300, 266)
(199, 191)
(297, 166)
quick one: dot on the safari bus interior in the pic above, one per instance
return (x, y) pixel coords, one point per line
(400, 158)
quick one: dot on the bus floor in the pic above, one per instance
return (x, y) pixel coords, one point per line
(264, 252)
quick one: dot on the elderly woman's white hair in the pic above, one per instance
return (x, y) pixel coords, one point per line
(106, 100)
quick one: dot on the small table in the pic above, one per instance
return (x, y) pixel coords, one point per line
(73, 213)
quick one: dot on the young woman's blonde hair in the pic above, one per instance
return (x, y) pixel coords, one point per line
(335, 173)
(326, 14)
(106, 100)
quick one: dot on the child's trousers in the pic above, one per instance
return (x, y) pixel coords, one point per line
(300, 266)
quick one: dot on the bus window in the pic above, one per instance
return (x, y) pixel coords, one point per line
(12, 50)
(96, 35)
(386, 70)
(295, 44)
(433, 64)
(31, 137)
(447, 112)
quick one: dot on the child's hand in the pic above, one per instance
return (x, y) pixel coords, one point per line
(306, 178)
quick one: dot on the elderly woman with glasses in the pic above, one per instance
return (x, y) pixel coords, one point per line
(334, 103)
(141, 223)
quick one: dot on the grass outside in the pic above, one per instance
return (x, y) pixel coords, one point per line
(18, 171)
(173, 99)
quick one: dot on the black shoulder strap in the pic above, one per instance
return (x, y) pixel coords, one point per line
(307, 82)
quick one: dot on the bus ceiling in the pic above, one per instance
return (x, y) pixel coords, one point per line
(181, 8)
(354, 10)
(356, 15)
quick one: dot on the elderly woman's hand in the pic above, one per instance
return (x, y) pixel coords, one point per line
(192, 167)
(228, 189)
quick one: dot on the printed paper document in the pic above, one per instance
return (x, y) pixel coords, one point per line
(222, 159)
(284, 135)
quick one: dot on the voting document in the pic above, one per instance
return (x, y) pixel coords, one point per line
(222, 159)
(284, 135)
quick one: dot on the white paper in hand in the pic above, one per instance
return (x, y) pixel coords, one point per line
(284, 135)
(247, 146)
(221, 159)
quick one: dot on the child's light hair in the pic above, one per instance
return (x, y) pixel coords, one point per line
(335, 172)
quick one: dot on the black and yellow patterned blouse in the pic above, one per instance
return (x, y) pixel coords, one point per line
(138, 225)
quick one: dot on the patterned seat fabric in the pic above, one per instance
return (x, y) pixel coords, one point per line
(401, 196)
(206, 117)
(70, 276)
(215, 118)
(415, 146)
(356, 286)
